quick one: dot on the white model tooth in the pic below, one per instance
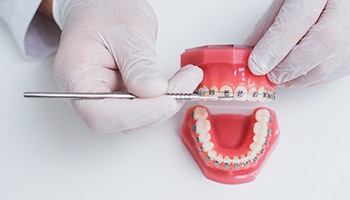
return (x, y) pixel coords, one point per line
(244, 160)
(260, 128)
(262, 115)
(255, 147)
(207, 146)
(202, 126)
(204, 137)
(212, 154)
(241, 93)
(252, 146)
(268, 98)
(251, 156)
(253, 94)
(227, 92)
(219, 159)
(259, 139)
(200, 113)
(213, 91)
(236, 160)
(203, 91)
(261, 92)
(227, 160)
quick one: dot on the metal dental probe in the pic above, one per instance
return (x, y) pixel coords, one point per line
(117, 95)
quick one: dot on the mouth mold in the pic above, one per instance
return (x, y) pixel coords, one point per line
(229, 147)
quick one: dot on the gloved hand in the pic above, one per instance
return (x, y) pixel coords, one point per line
(302, 43)
(109, 46)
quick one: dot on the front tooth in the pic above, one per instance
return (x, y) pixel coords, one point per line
(207, 146)
(218, 159)
(261, 94)
(202, 126)
(200, 113)
(236, 162)
(227, 92)
(253, 94)
(260, 128)
(227, 161)
(212, 154)
(204, 137)
(241, 93)
(203, 91)
(262, 115)
(213, 91)
(244, 161)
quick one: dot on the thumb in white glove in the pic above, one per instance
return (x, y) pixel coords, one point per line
(302, 43)
(108, 46)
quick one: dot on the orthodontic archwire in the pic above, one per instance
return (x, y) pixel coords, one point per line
(123, 95)
(227, 94)
(114, 95)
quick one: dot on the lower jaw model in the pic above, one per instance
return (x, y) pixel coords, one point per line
(230, 148)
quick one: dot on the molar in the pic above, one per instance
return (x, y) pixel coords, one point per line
(261, 94)
(207, 146)
(269, 96)
(262, 115)
(200, 113)
(202, 126)
(259, 139)
(260, 128)
(204, 137)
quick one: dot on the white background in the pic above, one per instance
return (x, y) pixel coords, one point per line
(46, 152)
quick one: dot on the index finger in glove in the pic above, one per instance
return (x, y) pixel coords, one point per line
(117, 115)
(322, 48)
(132, 44)
(293, 21)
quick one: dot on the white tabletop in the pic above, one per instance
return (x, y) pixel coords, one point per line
(46, 151)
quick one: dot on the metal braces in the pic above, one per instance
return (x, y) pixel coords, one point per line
(228, 94)
(235, 165)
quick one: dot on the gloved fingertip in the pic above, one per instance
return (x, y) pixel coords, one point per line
(168, 107)
(186, 79)
(147, 87)
(172, 107)
(255, 67)
(287, 85)
(273, 78)
(194, 72)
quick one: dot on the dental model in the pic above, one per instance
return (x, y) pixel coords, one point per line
(226, 73)
(229, 148)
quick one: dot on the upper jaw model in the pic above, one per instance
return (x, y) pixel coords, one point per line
(230, 148)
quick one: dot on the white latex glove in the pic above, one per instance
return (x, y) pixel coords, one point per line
(300, 43)
(108, 46)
